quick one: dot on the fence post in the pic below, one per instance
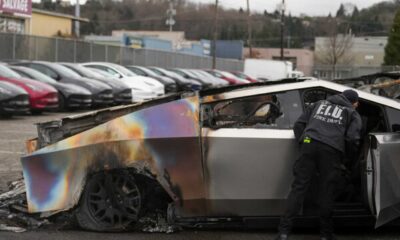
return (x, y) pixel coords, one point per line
(106, 53)
(121, 52)
(91, 51)
(56, 51)
(14, 45)
(36, 48)
(74, 50)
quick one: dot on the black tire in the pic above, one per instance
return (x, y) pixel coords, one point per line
(111, 202)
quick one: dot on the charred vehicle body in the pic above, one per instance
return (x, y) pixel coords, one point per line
(220, 156)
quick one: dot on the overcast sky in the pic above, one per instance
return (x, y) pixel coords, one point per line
(296, 7)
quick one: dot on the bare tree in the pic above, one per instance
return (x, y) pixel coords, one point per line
(335, 49)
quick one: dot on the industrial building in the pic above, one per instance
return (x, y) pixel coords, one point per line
(21, 18)
(302, 59)
(363, 55)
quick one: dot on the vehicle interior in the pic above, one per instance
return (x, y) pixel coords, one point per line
(351, 188)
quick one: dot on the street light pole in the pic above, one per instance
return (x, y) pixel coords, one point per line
(249, 29)
(214, 45)
(77, 15)
(282, 27)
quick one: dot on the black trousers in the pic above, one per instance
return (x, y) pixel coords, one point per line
(315, 157)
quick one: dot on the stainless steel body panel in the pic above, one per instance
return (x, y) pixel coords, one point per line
(248, 171)
(385, 152)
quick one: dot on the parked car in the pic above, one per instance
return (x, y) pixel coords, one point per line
(183, 83)
(217, 81)
(42, 97)
(143, 88)
(244, 76)
(170, 85)
(13, 100)
(232, 79)
(70, 96)
(205, 83)
(101, 93)
(221, 156)
(122, 92)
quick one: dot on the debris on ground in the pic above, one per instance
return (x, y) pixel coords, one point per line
(156, 223)
(14, 214)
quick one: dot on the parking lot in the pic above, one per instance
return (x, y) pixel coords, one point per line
(14, 131)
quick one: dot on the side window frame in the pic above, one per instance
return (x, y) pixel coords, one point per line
(290, 107)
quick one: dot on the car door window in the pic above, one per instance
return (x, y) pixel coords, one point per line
(278, 110)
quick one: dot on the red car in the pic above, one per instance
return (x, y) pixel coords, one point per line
(232, 79)
(244, 76)
(41, 96)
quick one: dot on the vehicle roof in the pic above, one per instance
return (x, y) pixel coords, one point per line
(258, 89)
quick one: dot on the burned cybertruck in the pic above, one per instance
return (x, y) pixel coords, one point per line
(221, 156)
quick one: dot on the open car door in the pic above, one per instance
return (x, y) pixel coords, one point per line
(383, 176)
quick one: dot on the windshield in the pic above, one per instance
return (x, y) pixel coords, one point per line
(157, 71)
(65, 71)
(84, 71)
(228, 74)
(147, 71)
(37, 75)
(137, 71)
(123, 70)
(101, 72)
(8, 73)
(179, 72)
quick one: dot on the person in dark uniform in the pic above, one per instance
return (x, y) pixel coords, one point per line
(328, 131)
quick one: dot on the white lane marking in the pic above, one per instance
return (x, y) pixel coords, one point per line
(11, 140)
(11, 152)
(20, 131)
(248, 133)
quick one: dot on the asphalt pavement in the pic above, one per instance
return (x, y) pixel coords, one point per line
(14, 132)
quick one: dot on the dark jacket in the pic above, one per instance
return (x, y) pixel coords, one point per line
(333, 121)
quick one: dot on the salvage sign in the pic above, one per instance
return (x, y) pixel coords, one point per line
(23, 7)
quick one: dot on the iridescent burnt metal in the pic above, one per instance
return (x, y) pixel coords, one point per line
(164, 139)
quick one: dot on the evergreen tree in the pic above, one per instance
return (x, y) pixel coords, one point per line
(392, 49)
(341, 11)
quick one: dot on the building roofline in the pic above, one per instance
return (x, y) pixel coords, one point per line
(62, 15)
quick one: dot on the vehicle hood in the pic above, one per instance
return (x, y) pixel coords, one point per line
(138, 83)
(68, 89)
(116, 84)
(9, 90)
(339, 99)
(89, 84)
(150, 81)
(31, 86)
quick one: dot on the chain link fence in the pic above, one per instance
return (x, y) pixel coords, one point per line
(27, 47)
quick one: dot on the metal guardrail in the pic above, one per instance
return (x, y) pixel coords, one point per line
(28, 47)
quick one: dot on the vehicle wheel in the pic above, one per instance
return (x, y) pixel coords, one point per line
(111, 202)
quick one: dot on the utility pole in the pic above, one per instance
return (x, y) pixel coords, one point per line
(249, 29)
(171, 12)
(77, 15)
(282, 27)
(214, 46)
